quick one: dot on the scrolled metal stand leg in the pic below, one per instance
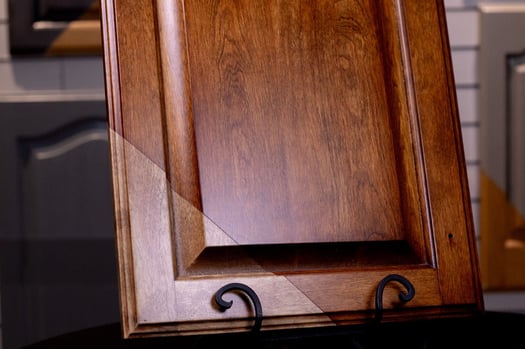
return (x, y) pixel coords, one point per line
(404, 297)
(224, 305)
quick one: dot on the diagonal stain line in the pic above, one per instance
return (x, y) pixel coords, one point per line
(303, 293)
(152, 164)
(149, 163)
(209, 223)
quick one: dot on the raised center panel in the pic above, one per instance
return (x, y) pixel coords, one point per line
(298, 127)
(292, 123)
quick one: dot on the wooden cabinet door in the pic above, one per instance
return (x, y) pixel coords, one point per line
(305, 149)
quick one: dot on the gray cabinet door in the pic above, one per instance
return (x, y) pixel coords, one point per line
(58, 271)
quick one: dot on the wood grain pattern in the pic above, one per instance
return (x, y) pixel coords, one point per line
(285, 145)
(441, 133)
(290, 105)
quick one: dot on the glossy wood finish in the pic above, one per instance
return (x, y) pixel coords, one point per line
(307, 149)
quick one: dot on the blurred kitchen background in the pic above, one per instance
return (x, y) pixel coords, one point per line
(57, 256)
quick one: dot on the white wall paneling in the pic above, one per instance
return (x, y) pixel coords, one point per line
(465, 66)
(473, 177)
(463, 28)
(468, 104)
(3, 10)
(470, 143)
(4, 41)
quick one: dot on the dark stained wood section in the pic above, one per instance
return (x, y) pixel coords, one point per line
(291, 106)
(285, 145)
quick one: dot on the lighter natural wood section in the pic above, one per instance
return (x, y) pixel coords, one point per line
(303, 116)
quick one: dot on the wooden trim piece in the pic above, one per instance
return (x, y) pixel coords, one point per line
(441, 132)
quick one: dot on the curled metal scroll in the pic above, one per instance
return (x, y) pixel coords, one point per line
(404, 297)
(224, 305)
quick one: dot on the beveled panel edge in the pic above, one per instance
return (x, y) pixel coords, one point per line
(415, 164)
